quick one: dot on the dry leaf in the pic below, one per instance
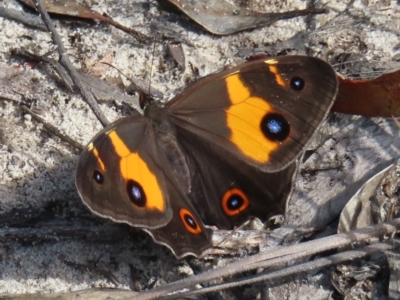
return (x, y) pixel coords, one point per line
(222, 18)
(370, 98)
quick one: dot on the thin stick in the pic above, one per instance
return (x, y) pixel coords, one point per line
(64, 60)
(55, 64)
(276, 255)
(54, 130)
(22, 17)
(290, 271)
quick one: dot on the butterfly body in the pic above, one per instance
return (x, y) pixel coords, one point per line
(220, 152)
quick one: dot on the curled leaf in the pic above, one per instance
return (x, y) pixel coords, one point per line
(379, 97)
(222, 18)
(377, 201)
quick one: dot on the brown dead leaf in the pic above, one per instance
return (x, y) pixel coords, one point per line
(98, 68)
(74, 9)
(379, 97)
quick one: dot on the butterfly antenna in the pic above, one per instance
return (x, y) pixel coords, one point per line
(151, 66)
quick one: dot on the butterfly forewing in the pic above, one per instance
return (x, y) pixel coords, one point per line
(118, 178)
(264, 112)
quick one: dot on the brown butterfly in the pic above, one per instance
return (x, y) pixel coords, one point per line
(220, 152)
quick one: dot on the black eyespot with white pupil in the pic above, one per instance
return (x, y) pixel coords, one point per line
(234, 202)
(297, 83)
(136, 193)
(98, 177)
(275, 127)
(190, 221)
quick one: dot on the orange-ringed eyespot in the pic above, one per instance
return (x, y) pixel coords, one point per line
(136, 193)
(234, 201)
(189, 221)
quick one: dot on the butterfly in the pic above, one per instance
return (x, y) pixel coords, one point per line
(220, 152)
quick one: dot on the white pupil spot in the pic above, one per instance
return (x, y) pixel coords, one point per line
(274, 126)
(234, 202)
(136, 192)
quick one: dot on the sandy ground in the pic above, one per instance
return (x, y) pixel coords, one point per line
(37, 169)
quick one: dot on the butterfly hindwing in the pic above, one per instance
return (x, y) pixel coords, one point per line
(228, 191)
(185, 233)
